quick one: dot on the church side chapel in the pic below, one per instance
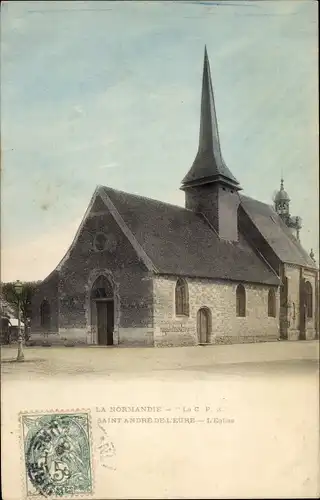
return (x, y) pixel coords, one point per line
(225, 269)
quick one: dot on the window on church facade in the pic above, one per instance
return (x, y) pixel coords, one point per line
(45, 314)
(102, 288)
(272, 303)
(182, 298)
(308, 289)
(241, 301)
(100, 242)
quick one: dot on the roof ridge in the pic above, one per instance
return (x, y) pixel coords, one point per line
(181, 253)
(286, 230)
(205, 218)
(147, 198)
(245, 196)
(141, 253)
(73, 242)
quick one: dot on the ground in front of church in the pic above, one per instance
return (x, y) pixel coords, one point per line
(200, 362)
(248, 423)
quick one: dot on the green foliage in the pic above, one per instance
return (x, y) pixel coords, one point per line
(9, 294)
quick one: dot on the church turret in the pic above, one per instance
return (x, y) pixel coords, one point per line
(210, 187)
(282, 202)
(282, 207)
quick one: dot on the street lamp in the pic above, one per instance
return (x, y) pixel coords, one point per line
(18, 287)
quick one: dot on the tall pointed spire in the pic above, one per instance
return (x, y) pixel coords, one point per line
(209, 166)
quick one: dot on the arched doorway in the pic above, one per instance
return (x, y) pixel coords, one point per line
(102, 310)
(204, 325)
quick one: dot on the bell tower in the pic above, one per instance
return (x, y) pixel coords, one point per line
(209, 186)
(282, 203)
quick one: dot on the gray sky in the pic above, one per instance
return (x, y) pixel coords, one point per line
(109, 93)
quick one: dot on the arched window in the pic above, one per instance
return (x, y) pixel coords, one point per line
(182, 298)
(272, 303)
(308, 292)
(45, 314)
(241, 300)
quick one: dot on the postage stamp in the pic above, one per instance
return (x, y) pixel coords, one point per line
(57, 454)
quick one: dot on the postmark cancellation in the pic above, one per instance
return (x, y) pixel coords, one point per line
(57, 454)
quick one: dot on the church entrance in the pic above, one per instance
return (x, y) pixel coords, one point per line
(204, 325)
(102, 310)
(105, 321)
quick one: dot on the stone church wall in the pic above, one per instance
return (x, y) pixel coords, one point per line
(293, 302)
(220, 298)
(145, 305)
(294, 274)
(70, 293)
(47, 290)
(132, 287)
(311, 322)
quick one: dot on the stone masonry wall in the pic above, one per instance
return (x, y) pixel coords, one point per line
(293, 303)
(47, 290)
(293, 274)
(120, 263)
(311, 276)
(220, 298)
(70, 292)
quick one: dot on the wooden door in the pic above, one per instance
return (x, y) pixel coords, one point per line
(102, 322)
(203, 325)
(110, 322)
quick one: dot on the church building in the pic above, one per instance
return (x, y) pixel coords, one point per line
(226, 268)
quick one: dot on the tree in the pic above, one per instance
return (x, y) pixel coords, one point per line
(9, 294)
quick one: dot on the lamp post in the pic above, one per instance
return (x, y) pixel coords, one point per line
(18, 287)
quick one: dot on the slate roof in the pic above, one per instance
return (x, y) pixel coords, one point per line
(276, 233)
(181, 242)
